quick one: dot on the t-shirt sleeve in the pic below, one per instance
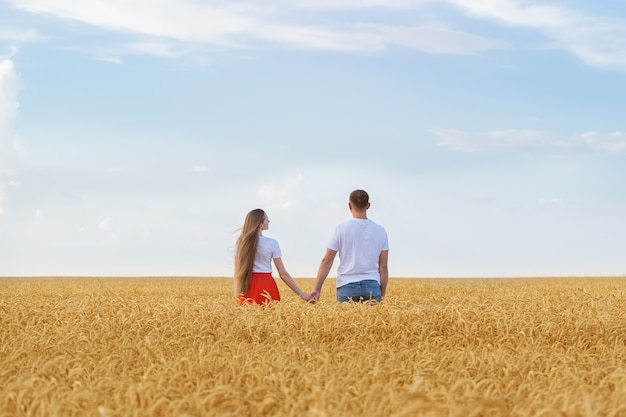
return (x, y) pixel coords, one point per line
(276, 253)
(333, 242)
(386, 243)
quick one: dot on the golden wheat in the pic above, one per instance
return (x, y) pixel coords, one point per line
(181, 347)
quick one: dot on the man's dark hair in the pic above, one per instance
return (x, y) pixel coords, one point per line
(359, 199)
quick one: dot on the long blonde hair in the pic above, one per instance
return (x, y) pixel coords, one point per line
(246, 250)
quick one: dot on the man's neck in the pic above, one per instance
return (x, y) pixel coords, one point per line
(359, 214)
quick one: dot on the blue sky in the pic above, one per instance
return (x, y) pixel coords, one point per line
(135, 136)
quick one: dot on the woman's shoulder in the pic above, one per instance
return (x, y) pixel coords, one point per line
(267, 239)
(268, 243)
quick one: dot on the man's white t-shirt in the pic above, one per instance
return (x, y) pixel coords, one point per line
(358, 243)
(266, 250)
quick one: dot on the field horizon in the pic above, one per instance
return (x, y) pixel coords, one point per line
(313, 278)
(180, 346)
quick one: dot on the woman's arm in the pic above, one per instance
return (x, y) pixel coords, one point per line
(284, 275)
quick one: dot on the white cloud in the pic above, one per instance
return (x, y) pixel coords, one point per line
(320, 38)
(356, 4)
(10, 85)
(18, 146)
(434, 38)
(510, 139)
(111, 59)
(105, 225)
(171, 28)
(598, 41)
(14, 184)
(200, 168)
(19, 35)
(523, 140)
(160, 49)
(182, 20)
(166, 24)
(613, 142)
(280, 196)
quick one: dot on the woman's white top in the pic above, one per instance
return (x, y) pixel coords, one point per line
(266, 250)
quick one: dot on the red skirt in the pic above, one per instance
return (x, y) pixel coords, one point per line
(263, 289)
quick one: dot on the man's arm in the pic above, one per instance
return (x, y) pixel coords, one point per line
(383, 270)
(323, 271)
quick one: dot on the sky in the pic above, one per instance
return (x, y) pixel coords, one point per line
(135, 136)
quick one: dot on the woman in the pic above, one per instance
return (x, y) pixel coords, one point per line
(253, 281)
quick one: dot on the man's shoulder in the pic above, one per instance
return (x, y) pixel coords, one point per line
(376, 224)
(380, 229)
(353, 223)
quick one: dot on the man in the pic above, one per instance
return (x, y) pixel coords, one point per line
(363, 250)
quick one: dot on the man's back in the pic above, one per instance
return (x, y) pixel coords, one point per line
(358, 243)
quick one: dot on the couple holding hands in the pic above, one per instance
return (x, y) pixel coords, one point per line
(362, 246)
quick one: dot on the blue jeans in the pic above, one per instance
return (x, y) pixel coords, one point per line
(368, 290)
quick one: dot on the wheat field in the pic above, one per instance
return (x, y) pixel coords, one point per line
(435, 347)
